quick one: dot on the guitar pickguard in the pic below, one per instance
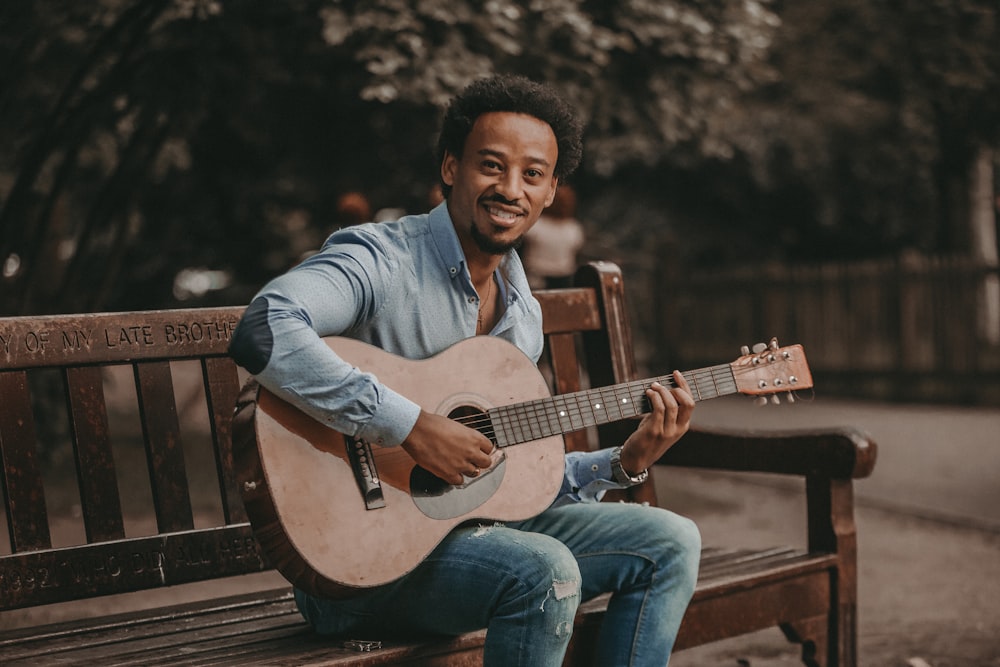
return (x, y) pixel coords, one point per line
(440, 500)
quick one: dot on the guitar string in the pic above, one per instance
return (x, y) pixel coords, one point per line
(568, 412)
(532, 414)
(631, 390)
(714, 381)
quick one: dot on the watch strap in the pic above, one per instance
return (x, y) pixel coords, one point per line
(620, 475)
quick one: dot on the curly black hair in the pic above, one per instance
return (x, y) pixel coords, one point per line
(516, 94)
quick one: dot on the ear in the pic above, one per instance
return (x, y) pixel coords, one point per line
(552, 191)
(449, 165)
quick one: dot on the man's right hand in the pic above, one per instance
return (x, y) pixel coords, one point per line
(447, 448)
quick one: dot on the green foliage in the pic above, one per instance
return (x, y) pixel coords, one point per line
(874, 120)
(646, 75)
(143, 137)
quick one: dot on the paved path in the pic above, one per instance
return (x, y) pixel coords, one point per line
(935, 461)
(928, 527)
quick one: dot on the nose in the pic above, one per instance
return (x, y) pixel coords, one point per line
(510, 186)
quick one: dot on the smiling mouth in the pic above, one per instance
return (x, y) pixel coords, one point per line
(503, 216)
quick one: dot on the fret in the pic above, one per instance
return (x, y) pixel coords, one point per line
(597, 409)
(696, 386)
(562, 412)
(534, 427)
(500, 426)
(510, 414)
(609, 405)
(569, 413)
(638, 395)
(523, 427)
(551, 418)
(616, 400)
(715, 384)
(583, 410)
(623, 400)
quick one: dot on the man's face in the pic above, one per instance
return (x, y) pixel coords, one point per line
(502, 181)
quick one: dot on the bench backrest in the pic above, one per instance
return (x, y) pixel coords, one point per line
(85, 357)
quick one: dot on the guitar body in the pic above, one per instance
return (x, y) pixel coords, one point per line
(302, 492)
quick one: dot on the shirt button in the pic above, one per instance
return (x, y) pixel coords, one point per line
(453, 270)
(472, 299)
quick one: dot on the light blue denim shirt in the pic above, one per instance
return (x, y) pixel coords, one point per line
(371, 282)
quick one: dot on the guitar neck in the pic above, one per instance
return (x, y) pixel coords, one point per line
(532, 420)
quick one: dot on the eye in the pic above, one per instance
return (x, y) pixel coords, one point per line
(491, 165)
(534, 173)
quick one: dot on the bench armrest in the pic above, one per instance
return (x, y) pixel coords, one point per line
(835, 453)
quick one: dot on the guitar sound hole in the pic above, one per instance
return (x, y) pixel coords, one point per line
(467, 414)
(440, 500)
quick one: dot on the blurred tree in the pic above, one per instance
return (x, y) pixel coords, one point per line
(866, 141)
(149, 136)
(144, 137)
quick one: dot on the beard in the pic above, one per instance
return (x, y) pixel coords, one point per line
(488, 245)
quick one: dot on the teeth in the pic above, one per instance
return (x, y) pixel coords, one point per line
(502, 214)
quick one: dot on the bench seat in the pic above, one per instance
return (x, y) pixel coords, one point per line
(265, 628)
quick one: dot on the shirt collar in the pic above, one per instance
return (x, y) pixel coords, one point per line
(446, 239)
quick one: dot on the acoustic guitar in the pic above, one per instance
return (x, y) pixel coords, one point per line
(336, 515)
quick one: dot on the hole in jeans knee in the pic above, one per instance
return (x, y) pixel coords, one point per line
(564, 589)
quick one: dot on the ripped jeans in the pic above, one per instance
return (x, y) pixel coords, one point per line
(524, 582)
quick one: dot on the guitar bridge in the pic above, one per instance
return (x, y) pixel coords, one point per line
(359, 453)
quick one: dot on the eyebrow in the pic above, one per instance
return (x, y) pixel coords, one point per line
(499, 154)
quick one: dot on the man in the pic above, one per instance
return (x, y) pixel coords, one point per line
(414, 288)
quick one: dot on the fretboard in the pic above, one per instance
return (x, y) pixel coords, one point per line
(541, 418)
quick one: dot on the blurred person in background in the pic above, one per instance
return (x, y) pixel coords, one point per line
(551, 246)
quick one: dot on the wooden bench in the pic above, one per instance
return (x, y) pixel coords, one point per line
(118, 547)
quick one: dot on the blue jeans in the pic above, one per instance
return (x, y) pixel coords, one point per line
(524, 582)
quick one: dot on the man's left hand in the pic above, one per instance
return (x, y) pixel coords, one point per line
(660, 429)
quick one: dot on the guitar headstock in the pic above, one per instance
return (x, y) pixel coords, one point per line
(771, 370)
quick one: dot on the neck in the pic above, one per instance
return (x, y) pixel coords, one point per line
(481, 264)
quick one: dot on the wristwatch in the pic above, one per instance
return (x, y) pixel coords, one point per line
(619, 473)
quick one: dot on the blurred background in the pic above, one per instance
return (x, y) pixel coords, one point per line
(820, 171)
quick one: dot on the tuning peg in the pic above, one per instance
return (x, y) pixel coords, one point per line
(775, 399)
(790, 398)
(759, 347)
(744, 350)
(774, 344)
(760, 401)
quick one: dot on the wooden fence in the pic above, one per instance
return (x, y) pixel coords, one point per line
(913, 328)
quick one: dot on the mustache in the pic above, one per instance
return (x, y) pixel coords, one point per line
(500, 199)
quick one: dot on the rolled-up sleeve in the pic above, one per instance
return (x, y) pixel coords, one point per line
(588, 477)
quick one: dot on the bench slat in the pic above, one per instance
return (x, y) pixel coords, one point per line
(95, 462)
(122, 566)
(165, 639)
(27, 518)
(263, 628)
(779, 584)
(105, 338)
(774, 600)
(570, 310)
(165, 455)
(222, 387)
